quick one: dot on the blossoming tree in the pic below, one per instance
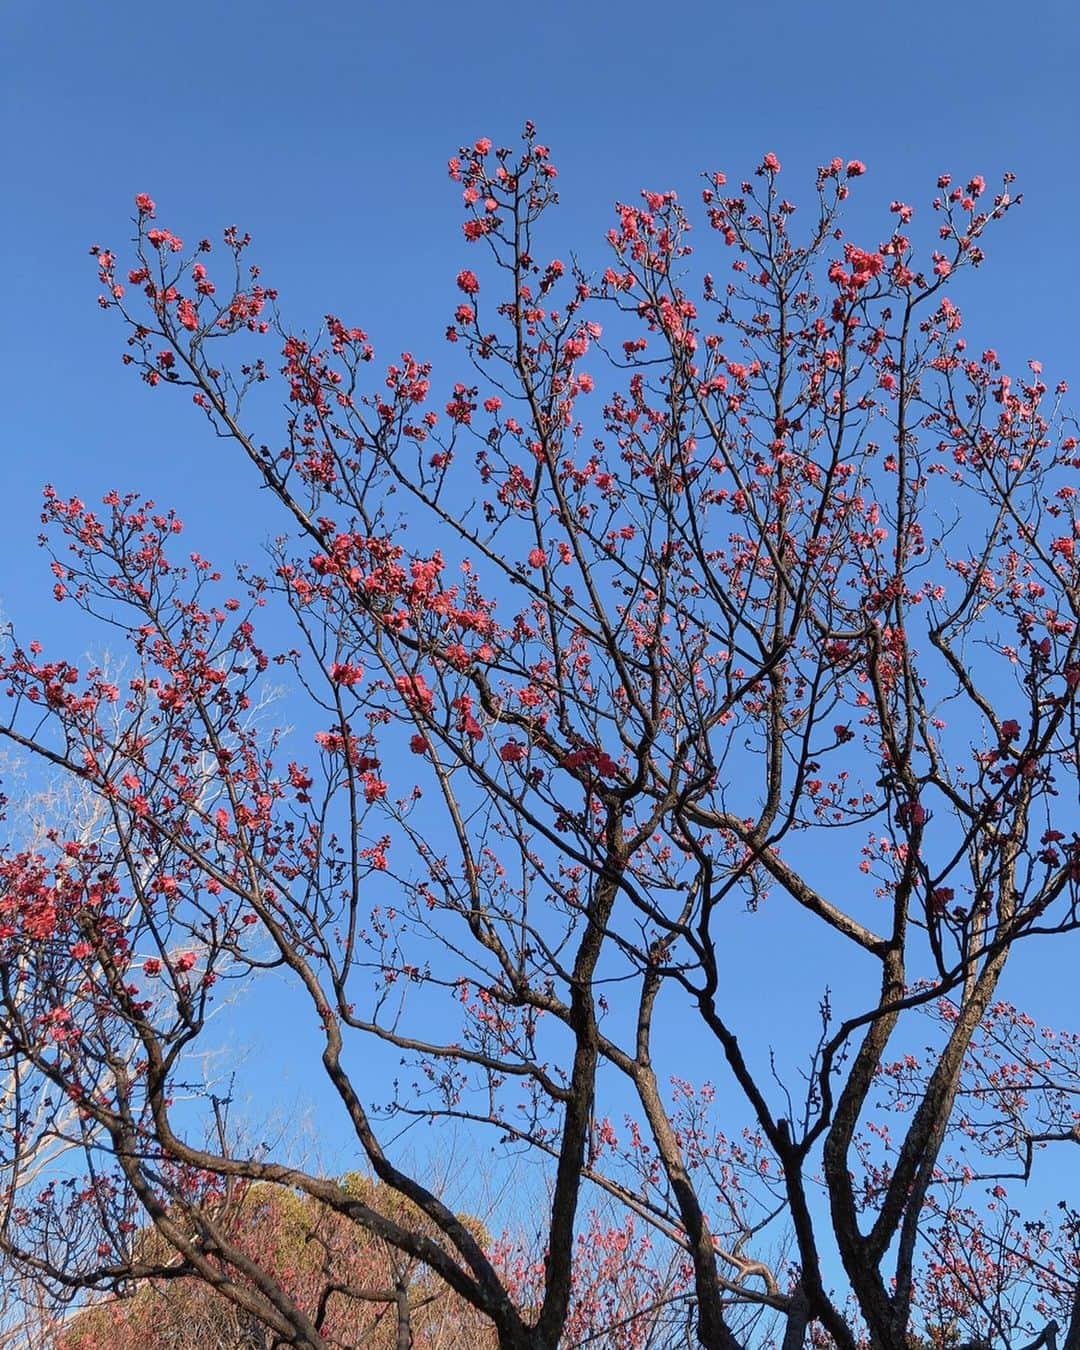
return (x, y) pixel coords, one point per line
(752, 592)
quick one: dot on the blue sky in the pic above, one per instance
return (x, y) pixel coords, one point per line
(325, 130)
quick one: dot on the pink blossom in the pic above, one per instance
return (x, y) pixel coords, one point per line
(414, 690)
(864, 265)
(467, 282)
(163, 239)
(537, 557)
(342, 672)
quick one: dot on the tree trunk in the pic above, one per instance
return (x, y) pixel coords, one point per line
(404, 1319)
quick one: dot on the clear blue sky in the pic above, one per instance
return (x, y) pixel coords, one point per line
(324, 129)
